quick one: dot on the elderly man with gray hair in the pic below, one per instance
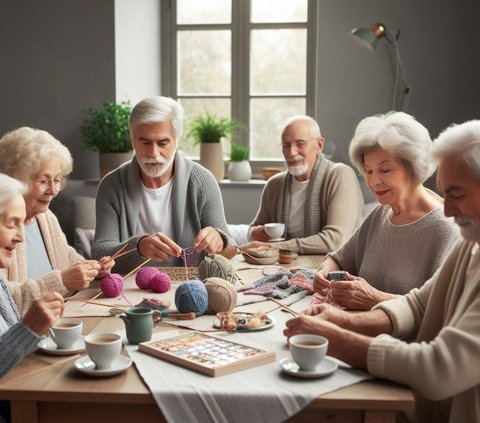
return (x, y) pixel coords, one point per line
(443, 315)
(319, 201)
(160, 202)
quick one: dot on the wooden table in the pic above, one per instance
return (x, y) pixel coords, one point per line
(44, 388)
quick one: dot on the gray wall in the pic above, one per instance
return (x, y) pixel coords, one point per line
(440, 48)
(58, 59)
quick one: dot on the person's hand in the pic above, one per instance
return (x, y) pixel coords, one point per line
(158, 247)
(259, 234)
(254, 244)
(328, 312)
(80, 275)
(44, 312)
(311, 325)
(106, 265)
(208, 240)
(355, 293)
(320, 282)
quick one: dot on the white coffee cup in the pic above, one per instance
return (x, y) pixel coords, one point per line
(308, 351)
(103, 348)
(274, 230)
(66, 332)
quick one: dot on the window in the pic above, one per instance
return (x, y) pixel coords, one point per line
(253, 60)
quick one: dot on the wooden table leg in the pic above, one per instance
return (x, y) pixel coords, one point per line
(24, 411)
(372, 416)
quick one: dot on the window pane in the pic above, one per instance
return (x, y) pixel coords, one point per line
(204, 61)
(279, 10)
(204, 12)
(198, 106)
(283, 72)
(267, 118)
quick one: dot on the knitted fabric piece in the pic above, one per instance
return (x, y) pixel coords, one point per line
(302, 282)
(266, 285)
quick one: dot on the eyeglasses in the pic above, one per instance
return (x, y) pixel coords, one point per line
(44, 184)
(299, 145)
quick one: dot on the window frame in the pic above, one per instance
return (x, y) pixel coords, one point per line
(240, 90)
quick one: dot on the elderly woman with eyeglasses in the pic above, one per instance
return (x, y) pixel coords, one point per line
(18, 337)
(403, 240)
(45, 261)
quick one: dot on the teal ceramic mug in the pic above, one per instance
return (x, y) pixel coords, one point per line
(138, 324)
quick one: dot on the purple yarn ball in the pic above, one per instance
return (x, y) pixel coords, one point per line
(112, 285)
(160, 282)
(192, 296)
(144, 277)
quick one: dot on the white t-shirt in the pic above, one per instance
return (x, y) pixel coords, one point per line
(296, 218)
(156, 210)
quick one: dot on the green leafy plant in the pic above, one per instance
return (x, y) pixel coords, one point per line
(105, 129)
(211, 128)
(239, 153)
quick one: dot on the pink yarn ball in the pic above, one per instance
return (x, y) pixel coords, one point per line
(112, 285)
(144, 277)
(160, 282)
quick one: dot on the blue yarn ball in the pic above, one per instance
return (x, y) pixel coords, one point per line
(192, 296)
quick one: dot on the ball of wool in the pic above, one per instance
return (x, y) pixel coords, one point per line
(216, 266)
(192, 296)
(112, 285)
(222, 296)
(160, 282)
(144, 277)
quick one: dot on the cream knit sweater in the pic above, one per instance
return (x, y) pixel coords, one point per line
(61, 256)
(442, 366)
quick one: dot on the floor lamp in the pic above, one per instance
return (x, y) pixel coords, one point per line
(369, 38)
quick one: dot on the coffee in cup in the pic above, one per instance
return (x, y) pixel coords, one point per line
(103, 348)
(274, 230)
(66, 332)
(308, 351)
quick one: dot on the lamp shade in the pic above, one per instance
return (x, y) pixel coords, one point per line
(369, 37)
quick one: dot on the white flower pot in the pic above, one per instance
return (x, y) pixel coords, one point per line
(239, 171)
(211, 157)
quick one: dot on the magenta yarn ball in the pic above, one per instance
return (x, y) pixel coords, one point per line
(112, 285)
(160, 282)
(144, 277)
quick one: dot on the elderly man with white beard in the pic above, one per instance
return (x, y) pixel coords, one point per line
(319, 201)
(161, 203)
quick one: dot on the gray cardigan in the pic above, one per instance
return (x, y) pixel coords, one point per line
(197, 203)
(16, 340)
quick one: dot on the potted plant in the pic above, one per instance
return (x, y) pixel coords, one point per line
(209, 130)
(239, 168)
(105, 129)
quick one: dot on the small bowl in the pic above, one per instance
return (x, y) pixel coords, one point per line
(260, 260)
(268, 172)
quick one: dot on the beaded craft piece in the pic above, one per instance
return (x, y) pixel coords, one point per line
(178, 273)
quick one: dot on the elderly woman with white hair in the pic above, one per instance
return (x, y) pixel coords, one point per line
(44, 262)
(404, 239)
(19, 337)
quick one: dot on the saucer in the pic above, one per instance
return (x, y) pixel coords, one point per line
(276, 239)
(87, 366)
(48, 346)
(326, 367)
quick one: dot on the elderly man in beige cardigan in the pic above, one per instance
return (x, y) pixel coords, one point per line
(319, 201)
(443, 316)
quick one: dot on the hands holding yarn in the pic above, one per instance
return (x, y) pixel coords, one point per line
(158, 247)
(80, 275)
(106, 264)
(208, 240)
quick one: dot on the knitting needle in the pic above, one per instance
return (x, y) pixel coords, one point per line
(91, 299)
(287, 308)
(136, 268)
(116, 256)
(116, 253)
(104, 305)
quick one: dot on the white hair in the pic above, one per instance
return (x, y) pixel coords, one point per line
(462, 140)
(398, 132)
(157, 109)
(313, 126)
(25, 150)
(9, 188)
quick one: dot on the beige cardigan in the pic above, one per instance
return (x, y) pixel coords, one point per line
(442, 365)
(61, 256)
